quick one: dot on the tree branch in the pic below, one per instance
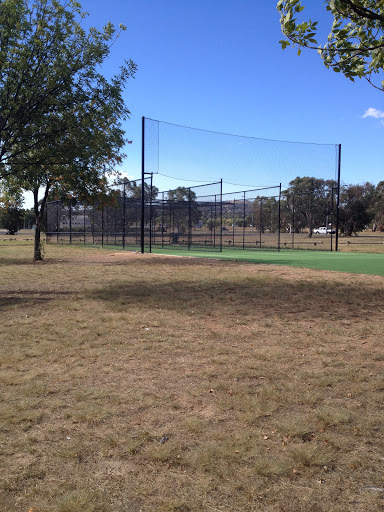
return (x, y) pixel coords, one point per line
(334, 50)
(363, 12)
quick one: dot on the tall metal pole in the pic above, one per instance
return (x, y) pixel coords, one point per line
(57, 222)
(189, 219)
(260, 220)
(221, 215)
(102, 227)
(332, 199)
(338, 199)
(214, 226)
(84, 222)
(107, 224)
(70, 223)
(233, 223)
(162, 221)
(142, 183)
(150, 215)
(279, 226)
(244, 220)
(115, 226)
(46, 221)
(124, 215)
(93, 223)
(293, 221)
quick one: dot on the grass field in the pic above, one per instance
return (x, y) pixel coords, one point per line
(158, 383)
(359, 263)
(352, 262)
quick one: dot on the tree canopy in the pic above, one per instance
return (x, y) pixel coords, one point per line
(60, 121)
(357, 208)
(184, 208)
(133, 190)
(355, 44)
(311, 199)
(49, 69)
(11, 202)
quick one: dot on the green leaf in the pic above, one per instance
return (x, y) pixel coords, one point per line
(349, 32)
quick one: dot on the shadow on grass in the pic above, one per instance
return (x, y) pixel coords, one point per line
(247, 297)
(28, 297)
(17, 261)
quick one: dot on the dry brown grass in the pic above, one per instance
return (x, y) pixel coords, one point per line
(149, 383)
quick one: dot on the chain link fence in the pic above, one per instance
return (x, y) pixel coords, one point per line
(198, 218)
(186, 218)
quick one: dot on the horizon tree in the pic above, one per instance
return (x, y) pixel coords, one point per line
(378, 207)
(356, 211)
(312, 201)
(11, 212)
(132, 189)
(182, 202)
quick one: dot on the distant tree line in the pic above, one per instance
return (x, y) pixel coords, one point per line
(309, 203)
(306, 204)
(361, 206)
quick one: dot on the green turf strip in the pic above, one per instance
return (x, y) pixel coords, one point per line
(358, 263)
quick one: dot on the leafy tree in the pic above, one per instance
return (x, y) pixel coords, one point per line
(286, 210)
(11, 219)
(213, 223)
(11, 202)
(265, 214)
(355, 44)
(378, 207)
(60, 123)
(356, 208)
(133, 200)
(184, 209)
(28, 218)
(181, 194)
(133, 190)
(311, 198)
(260, 214)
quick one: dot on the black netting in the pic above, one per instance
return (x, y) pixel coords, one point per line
(186, 218)
(183, 153)
(294, 208)
(199, 218)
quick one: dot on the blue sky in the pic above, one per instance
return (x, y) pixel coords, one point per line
(218, 65)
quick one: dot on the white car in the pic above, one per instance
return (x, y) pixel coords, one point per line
(323, 231)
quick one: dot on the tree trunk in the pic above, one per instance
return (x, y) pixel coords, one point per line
(310, 227)
(38, 253)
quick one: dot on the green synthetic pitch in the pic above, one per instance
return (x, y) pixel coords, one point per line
(356, 263)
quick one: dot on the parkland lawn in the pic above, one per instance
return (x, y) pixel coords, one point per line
(150, 383)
